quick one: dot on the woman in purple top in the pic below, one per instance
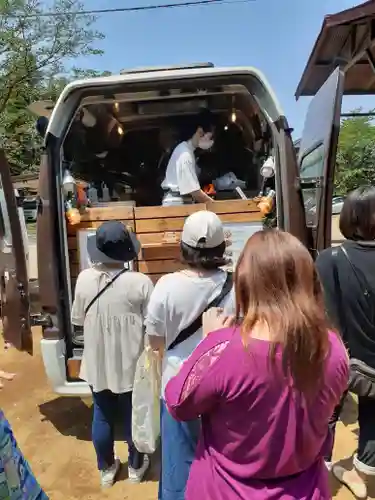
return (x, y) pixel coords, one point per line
(264, 390)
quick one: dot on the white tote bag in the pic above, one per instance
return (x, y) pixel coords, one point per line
(146, 402)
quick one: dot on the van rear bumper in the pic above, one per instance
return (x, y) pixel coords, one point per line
(53, 354)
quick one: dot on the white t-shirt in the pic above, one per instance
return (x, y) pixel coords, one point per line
(113, 327)
(175, 303)
(181, 173)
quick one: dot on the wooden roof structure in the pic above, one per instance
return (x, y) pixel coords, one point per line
(346, 39)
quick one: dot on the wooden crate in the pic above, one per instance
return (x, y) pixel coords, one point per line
(93, 218)
(158, 229)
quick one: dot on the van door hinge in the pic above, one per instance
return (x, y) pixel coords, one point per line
(44, 320)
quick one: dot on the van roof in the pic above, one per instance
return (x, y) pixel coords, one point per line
(59, 114)
(152, 69)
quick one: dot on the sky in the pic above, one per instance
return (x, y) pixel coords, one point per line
(275, 36)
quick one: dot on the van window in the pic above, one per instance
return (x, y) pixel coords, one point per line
(6, 234)
(312, 167)
(29, 204)
(2, 224)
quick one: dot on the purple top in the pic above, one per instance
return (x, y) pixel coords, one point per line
(260, 439)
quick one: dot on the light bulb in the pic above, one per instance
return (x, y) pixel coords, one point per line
(268, 168)
(226, 127)
(234, 117)
(68, 182)
(116, 106)
(267, 172)
(120, 130)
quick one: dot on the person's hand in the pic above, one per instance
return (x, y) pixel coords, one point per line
(215, 319)
(5, 376)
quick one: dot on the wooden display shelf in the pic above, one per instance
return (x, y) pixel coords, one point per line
(144, 266)
(107, 213)
(234, 207)
(158, 229)
(167, 212)
(148, 252)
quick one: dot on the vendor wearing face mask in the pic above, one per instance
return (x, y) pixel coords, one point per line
(181, 184)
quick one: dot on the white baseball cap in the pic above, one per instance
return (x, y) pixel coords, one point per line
(203, 229)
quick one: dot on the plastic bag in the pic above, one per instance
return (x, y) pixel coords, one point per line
(228, 181)
(146, 402)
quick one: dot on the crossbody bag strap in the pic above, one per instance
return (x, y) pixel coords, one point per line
(363, 286)
(339, 311)
(336, 281)
(197, 323)
(107, 285)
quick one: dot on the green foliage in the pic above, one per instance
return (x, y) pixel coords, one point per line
(34, 50)
(355, 164)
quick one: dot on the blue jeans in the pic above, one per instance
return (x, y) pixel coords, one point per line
(107, 408)
(178, 444)
(17, 482)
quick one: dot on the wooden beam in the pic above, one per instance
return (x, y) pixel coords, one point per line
(371, 59)
(353, 39)
(371, 62)
(365, 45)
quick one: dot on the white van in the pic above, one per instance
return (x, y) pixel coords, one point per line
(29, 206)
(106, 130)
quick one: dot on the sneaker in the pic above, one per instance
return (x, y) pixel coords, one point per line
(108, 476)
(136, 475)
(351, 480)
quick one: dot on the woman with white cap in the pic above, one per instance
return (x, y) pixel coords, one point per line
(110, 303)
(174, 327)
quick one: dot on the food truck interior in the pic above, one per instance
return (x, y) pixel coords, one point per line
(119, 145)
(123, 142)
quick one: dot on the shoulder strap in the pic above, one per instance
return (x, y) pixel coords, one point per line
(337, 291)
(361, 282)
(107, 285)
(197, 323)
(335, 253)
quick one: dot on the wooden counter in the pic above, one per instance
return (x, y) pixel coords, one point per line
(158, 229)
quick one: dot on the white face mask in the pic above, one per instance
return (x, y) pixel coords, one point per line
(205, 142)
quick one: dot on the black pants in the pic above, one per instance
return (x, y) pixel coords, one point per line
(332, 424)
(366, 440)
(366, 423)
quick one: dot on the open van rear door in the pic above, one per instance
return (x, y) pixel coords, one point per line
(317, 158)
(15, 302)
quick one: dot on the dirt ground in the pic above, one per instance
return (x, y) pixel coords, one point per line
(54, 435)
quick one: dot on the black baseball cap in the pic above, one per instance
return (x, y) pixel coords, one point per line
(113, 242)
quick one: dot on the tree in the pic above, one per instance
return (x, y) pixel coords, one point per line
(355, 163)
(34, 49)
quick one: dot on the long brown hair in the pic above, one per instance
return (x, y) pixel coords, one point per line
(276, 283)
